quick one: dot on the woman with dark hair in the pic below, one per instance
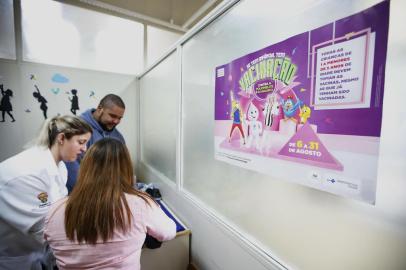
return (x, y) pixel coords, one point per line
(30, 182)
(105, 217)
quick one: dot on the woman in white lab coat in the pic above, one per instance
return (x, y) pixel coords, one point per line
(29, 183)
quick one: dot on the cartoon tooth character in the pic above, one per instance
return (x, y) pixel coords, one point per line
(237, 116)
(304, 114)
(254, 126)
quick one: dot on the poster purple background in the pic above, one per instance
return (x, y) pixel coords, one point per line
(362, 121)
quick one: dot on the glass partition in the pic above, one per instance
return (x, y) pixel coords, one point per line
(158, 42)
(159, 106)
(302, 227)
(7, 32)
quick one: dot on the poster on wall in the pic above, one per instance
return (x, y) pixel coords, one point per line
(309, 109)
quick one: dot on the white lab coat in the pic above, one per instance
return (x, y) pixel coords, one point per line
(29, 183)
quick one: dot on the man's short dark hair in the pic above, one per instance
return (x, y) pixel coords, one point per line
(111, 99)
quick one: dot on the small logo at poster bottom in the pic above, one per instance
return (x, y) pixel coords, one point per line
(343, 183)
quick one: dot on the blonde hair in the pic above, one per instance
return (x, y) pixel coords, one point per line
(67, 124)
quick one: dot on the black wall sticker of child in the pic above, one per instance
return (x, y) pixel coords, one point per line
(41, 100)
(5, 104)
(74, 101)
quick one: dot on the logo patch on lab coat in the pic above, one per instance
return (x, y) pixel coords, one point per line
(43, 197)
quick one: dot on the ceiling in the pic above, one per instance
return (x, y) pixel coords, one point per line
(177, 15)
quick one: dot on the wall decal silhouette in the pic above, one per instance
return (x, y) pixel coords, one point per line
(41, 100)
(55, 90)
(74, 101)
(5, 104)
(59, 78)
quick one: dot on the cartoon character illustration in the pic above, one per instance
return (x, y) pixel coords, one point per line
(271, 109)
(237, 116)
(74, 101)
(304, 114)
(290, 108)
(271, 117)
(254, 126)
(41, 100)
(5, 104)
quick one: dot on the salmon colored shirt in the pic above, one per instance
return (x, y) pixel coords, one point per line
(123, 251)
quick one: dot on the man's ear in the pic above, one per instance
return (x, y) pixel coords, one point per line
(99, 109)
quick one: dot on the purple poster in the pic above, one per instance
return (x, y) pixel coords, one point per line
(309, 109)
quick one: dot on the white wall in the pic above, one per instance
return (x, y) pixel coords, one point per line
(17, 77)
